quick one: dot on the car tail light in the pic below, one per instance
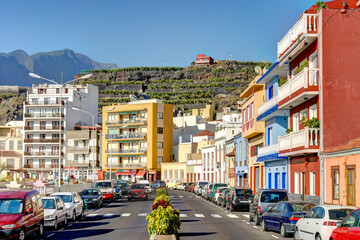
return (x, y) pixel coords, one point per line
(208, 191)
(218, 191)
(329, 223)
(259, 209)
(294, 217)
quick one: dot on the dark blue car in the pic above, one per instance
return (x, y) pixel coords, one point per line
(283, 216)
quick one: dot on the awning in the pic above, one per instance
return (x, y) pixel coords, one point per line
(231, 154)
(121, 113)
(293, 53)
(140, 174)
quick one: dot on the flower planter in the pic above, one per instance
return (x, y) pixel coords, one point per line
(164, 237)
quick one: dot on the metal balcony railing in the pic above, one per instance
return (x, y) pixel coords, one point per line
(131, 150)
(126, 165)
(130, 121)
(125, 136)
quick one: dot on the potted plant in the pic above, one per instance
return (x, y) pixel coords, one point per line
(289, 130)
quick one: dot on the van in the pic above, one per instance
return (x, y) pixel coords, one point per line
(107, 188)
(21, 214)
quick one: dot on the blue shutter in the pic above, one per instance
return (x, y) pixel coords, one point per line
(284, 180)
(269, 179)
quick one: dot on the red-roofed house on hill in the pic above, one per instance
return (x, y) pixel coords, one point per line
(202, 59)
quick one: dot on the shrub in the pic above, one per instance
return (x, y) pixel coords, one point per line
(162, 197)
(163, 221)
(163, 203)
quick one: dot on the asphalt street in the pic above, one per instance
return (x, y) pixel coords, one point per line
(200, 219)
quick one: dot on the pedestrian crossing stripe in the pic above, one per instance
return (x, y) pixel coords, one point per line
(246, 215)
(181, 196)
(232, 216)
(216, 216)
(92, 215)
(183, 215)
(199, 215)
(142, 214)
(125, 214)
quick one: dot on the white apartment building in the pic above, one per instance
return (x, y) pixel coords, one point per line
(47, 115)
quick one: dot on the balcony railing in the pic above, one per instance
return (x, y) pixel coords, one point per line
(125, 136)
(74, 148)
(133, 150)
(42, 128)
(305, 79)
(268, 105)
(32, 140)
(272, 149)
(307, 24)
(43, 102)
(127, 165)
(42, 153)
(307, 139)
(28, 166)
(130, 121)
(47, 115)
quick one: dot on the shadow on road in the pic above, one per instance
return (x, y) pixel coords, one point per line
(183, 221)
(194, 234)
(80, 234)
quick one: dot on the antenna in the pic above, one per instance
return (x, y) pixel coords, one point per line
(231, 58)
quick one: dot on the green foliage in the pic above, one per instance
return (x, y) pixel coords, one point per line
(282, 81)
(161, 191)
(165, 197)
(321, 4)
(313, 123)
(289, 130)
(163, 221)
(303, 65)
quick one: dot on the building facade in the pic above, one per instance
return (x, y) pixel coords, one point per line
(137, 138)
(202, 59)
(241, 161)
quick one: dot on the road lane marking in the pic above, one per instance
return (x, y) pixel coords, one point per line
(142, 214)
(246, 215)
(199, 215)
(216, 216)
(97, 211)
(125, 214)
(172, 196)
(109, 215)
(92, 215)
(255, 227)
(232, 216)
(183, 215)
(181, 196)
(247, 223)
(274, 236)
(189, 196)
(69, 225)
(51, 235)
(61, 230)
(197, 197)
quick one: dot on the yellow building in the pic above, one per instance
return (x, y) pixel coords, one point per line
(137, 138)
(208, 112)
(253, 97)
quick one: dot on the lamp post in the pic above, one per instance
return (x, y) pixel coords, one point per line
(61, 88)
(93, 125)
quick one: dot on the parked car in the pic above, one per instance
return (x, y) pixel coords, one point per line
(206, 192)
(92, 197)
(118, 189)
(138, 191)
(55, 212)
(191, 187)
(124, 186)
(214, 188)
(239, 198)
(73, 203)
(198, 185)
(21, 214)
(263, 200)
(181, 187)
(159, 184)
(284, 215)
(218, 191)
(154, 185)
(107, 188)
(147, 185)
(188, 186)
(349, 228)
(171, 184)
(320, 221)
(221, 201)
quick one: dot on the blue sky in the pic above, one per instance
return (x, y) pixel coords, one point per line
(149, 33)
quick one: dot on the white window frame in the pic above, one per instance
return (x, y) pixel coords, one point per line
(296, 122)
(313, 111)
(312, 183)
(296, 183)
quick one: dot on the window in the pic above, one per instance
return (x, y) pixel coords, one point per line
(296, 182)
(160, 130)
(10, 163)
(19, 145)
(11, 144)
(296, 122)
(112, 117)
(271, 92)
(255, 149)
(42, 136)
(304, 114)
(171, 174)
(57, 90)
(143, 115)
(143, 159)
(181, 173)
(335, 178)
(269, 136)
(165, 174)
(28, 205)
(176, 174)
(143, 145)
(352, 220)
(312, 183)
(112, 159)
(160, 115)
(160, 145)
(159, 159)
(281, 208)
(42, 112)
(132, 116)
(313, 111)
(132, 159)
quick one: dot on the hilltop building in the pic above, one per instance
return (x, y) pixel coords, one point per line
(202, 59)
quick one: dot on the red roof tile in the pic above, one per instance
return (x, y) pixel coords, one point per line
(205, 133)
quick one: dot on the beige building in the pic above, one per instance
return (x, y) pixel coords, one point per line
(208, 112)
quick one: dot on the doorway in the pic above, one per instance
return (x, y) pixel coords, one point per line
(350, 186)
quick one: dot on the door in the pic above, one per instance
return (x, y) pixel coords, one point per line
(269, 218)
(350, 186)
(277, 180)
(304, 225)
(28, 219)
(257, 175)
(278, 215)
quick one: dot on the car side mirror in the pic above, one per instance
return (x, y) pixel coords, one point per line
(338, 224)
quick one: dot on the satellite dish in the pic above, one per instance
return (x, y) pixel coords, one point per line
(258, 69)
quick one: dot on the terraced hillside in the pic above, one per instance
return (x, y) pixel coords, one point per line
(185, 88)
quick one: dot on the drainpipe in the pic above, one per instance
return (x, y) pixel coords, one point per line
(322, 177)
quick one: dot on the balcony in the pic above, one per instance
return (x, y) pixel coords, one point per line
(268, 150)
(125, 136)
(252, 128)
(304, 141)
(270, 109)
(44, 103)
(126, 165)
(79, 149)
(50, 140)
(303, 32)
(28, 166)
(130, 121)
(47, 115)
(298, 89)
(43, 154)
(37, 128)
(134, 150)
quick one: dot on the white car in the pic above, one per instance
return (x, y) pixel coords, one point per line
(147, 185)
(181, 187)
(320, 221)
(55, 212)
(216, 195)
(198, 185)
(74, 204)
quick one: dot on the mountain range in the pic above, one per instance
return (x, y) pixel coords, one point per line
(16, 66)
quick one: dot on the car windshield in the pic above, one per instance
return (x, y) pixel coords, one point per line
(268, 197)
(203, 183)
(49, 203)
(301, 207)
(339, 214)
(223, 189)
(11, 206)
(146, 184)
(89, 192)
(244, 193)
(65, 198)
(103, 185)
(137, 186)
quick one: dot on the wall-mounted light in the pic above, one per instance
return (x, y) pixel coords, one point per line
(290, 106)
(305, 99)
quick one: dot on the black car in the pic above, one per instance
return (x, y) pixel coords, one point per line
(239, 198)
(124, 188)
(222, 198)
(92, 197)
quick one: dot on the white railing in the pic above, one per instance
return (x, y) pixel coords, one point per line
(268, 105)
(304, 138)
(268, 150)
(306, 24)
(73, 148)
(304, 79)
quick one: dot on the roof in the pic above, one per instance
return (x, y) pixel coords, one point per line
(336, 4)
(16, 194)
(201, 55)
(231, 154)
(355, 143)
(205, 133)
(10, 154)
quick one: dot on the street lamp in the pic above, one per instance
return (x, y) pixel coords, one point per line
(93, 125)
(33, 75)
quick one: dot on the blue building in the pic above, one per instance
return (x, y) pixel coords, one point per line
(276, 123)
(241, 160)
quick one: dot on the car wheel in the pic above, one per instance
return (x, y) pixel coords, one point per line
(257, 219)
(73, 216)
(40, 232)
(318, 237)
(283, 232)
(22, 234)
(297, 234)
(56, 224)
(99, 204)
(81, 214)
(263, 227)
(129, 199)
(65, 221)
(251, 218)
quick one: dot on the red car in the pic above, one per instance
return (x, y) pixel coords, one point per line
(349, 228)
(192, 187)
(21, 214)
(138, 191)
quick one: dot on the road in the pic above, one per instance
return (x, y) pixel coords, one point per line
(200, 219)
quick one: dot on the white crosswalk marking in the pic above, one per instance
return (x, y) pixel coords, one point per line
(183, 215)
(246, 215)
(125, 214)
(172, 196)
(197, 197)
(109, 215)
(142, 214)
(189, 196)
(216, 216)
(232, 216)
(199, 215)
(181, 196)
(92, 215)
